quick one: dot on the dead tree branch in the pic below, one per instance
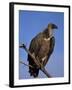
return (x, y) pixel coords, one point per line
(26, 64)
(36, 61)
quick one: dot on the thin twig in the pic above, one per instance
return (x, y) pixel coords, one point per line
(26, 64)
(36, 62)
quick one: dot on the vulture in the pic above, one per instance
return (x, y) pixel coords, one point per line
(41, 47)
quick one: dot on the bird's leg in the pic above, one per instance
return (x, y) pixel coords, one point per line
(38, 66)
(43, 59)
(33, 54)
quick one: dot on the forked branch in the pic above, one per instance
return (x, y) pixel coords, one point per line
(36, 62)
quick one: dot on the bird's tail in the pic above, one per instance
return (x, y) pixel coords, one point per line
(33, 72)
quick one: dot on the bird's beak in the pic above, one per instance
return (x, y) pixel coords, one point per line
(54, 26)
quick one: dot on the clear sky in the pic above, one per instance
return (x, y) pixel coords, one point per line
(30, 24)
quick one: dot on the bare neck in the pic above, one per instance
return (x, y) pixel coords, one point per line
(48, 33)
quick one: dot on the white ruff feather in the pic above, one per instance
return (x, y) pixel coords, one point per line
(44, 58)
(47, 39)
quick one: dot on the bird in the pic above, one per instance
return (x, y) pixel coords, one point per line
(41, 47)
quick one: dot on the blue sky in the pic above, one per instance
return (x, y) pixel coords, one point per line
(30, 24)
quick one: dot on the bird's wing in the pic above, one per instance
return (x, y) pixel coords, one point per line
(52, 44)
(35, 44)
(34, 47)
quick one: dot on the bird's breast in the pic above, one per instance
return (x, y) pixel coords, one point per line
(44, 49)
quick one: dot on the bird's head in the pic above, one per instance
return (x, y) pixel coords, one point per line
(52, 26)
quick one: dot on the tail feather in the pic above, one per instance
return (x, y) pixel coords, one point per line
(33, 71)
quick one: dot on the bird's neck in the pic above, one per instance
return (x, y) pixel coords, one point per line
(48, 33)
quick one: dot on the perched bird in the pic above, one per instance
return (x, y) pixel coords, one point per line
(41, 47)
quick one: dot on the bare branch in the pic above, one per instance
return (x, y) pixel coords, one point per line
(36, 61)
(26, 64)
(45, 72)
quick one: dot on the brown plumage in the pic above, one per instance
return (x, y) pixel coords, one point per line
(41, 47)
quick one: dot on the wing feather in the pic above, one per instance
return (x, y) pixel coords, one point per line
(34, 48)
